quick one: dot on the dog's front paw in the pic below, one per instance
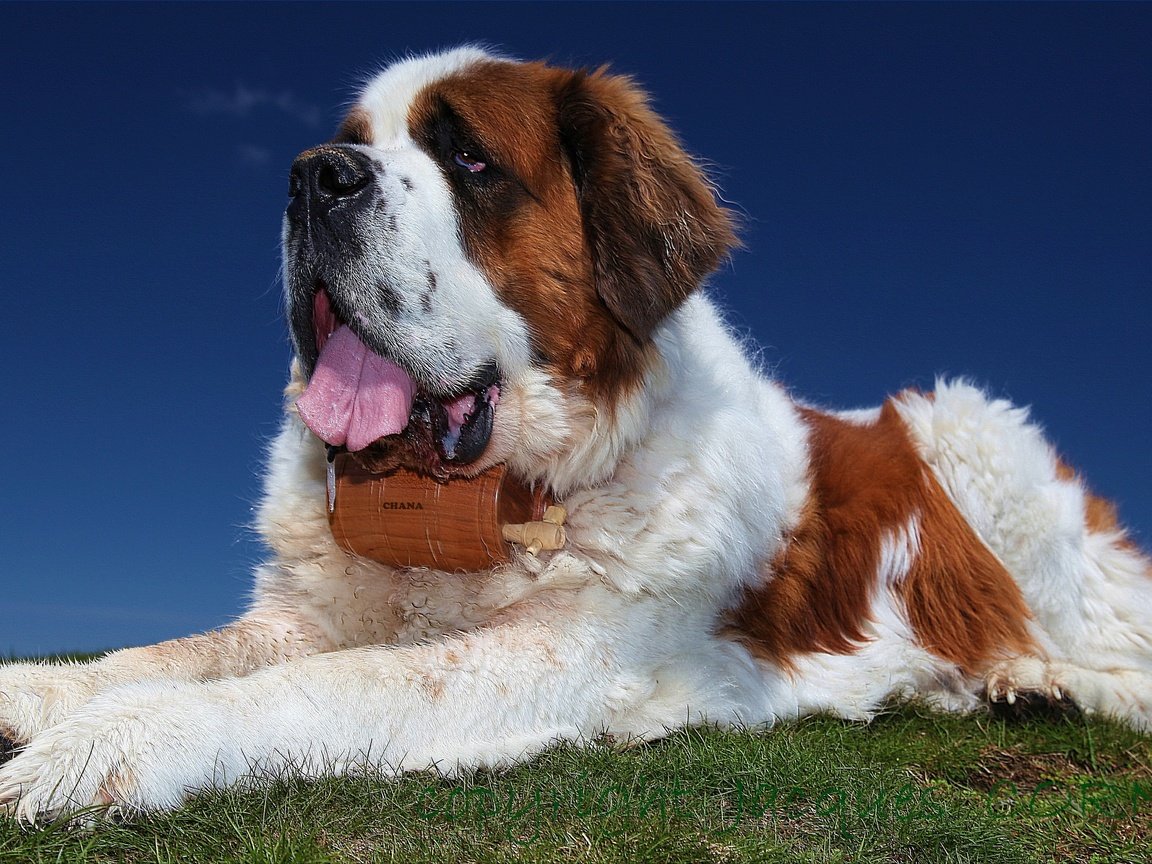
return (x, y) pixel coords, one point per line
(37, 696)
(135, 748)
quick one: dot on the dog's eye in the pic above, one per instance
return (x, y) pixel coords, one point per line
(468, 161)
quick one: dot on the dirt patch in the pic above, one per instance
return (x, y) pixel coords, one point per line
(1027, 771)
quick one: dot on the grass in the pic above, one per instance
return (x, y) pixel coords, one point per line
(912, 786)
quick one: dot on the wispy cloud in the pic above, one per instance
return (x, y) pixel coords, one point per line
(242, 101)
(253, 154)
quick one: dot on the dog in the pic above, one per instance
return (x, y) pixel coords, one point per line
(497, 263)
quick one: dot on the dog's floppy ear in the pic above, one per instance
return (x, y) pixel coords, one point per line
(650, 217)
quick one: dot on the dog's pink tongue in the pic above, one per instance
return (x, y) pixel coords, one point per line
(355, 395)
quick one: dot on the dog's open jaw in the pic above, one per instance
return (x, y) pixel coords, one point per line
(356, 397)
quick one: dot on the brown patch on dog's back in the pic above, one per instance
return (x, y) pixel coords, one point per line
(817, 590)
(1100, 516)
(962, 603)
(868, 484)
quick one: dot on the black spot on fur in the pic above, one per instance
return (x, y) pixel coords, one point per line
(387, 297)
(426, 297)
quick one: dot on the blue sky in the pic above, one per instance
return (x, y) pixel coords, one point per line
(927, 188)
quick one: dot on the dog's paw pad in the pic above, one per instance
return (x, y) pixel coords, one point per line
(1029, 704)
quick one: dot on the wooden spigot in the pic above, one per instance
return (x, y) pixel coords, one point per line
(536, 536)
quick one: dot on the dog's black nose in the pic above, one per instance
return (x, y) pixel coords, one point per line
(327, 176)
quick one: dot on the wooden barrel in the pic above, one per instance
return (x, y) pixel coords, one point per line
(404, 519)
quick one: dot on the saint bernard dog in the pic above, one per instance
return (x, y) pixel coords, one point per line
(497, 262)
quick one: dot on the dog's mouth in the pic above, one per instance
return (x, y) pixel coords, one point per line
(356, 397)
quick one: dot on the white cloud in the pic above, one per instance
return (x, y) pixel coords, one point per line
(242, 100)
(253, 154)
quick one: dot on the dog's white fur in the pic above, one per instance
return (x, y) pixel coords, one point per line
(343, 664)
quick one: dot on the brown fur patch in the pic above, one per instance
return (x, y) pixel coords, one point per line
(1100, 514)
(867, 482)
(1102, 517)
(356, 128)
(116, 787)
(555, 219)
(650, 216)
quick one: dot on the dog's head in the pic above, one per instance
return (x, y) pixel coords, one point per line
(482, 242)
